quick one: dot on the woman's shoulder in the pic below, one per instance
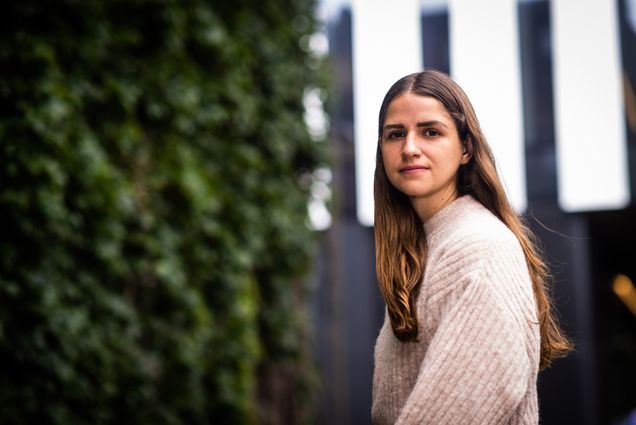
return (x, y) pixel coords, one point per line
(476, 226)
(473, 238)
(475, 244)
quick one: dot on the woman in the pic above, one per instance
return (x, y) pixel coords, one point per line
(468, 323)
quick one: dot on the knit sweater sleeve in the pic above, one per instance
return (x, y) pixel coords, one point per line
(477, 366)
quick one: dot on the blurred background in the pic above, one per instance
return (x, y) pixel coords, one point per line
(185, 198)
(558, 77)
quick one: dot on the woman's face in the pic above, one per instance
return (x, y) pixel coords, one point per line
(421, 149)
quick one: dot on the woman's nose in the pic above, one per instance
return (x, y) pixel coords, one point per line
(410, 147)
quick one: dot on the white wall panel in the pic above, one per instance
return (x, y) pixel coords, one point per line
(484, 51)
(590, 137)
(386, 46)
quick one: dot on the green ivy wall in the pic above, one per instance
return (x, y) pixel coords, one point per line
(154, 245)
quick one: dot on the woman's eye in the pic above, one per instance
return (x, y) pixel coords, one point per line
(431, 132)
(395, 135)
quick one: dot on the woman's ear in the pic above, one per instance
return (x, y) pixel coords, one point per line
(467, 153)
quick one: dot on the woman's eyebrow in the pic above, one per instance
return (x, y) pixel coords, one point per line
(431, 123)
(419, 124)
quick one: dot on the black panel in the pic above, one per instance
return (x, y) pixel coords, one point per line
(435, 50)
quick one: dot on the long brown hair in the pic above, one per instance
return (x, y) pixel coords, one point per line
(399, 235)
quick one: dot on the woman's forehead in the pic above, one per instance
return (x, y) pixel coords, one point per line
(412, 105)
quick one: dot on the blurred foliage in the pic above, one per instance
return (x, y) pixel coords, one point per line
(154, 232)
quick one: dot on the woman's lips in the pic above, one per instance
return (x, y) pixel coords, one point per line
(413, 169)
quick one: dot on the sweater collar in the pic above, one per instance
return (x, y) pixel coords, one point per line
(448, 216)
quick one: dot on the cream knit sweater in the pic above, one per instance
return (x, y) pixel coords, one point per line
(477, 355)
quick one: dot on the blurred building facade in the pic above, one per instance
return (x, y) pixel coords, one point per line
(587, 248)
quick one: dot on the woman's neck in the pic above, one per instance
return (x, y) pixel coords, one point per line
(426, 207)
